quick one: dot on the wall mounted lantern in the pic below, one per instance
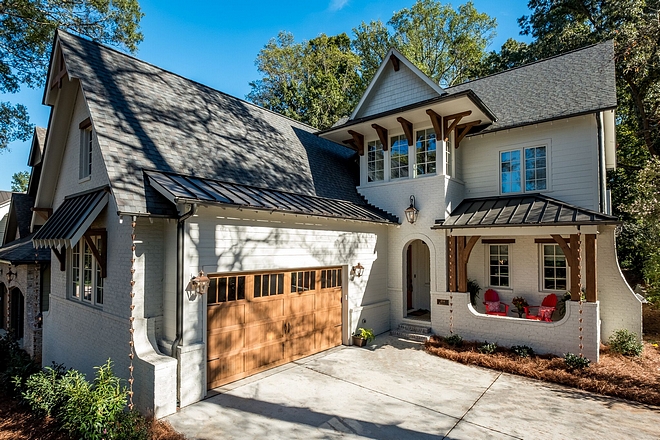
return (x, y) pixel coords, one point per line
(11, 276)
(357, 271)
(412, 212)
(200, 283)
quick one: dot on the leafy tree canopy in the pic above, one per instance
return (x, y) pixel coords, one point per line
(20, 181)
(441, 41)
(27, 28)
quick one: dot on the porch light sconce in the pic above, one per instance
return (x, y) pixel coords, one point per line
(411, 211)
(200, 283)
(357, 271)
(11, 276)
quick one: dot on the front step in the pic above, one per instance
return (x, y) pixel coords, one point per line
(412, 332)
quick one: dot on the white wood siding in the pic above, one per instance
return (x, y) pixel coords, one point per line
(572, 149)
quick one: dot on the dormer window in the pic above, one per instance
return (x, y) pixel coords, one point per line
(85, 170)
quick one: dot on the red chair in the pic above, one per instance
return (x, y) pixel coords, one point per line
(545, 310)
(493, 304)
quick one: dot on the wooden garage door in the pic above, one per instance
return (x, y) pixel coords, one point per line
(258, 321)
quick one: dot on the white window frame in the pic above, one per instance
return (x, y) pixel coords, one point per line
(391, 150)
(384, 158)
(86, 151)
(449, 156)
(509, 266)
(542, 287)
(427, 133)
(79, 258)
(523, 170)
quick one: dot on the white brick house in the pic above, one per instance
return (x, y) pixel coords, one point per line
(153, 178)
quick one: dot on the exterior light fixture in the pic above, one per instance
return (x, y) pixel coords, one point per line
(200, 283)
(411, 211)
(357, 271)
(11, 276)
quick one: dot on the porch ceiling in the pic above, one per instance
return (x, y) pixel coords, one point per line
(521, 211)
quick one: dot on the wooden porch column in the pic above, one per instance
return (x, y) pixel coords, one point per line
(464, 249)
(591, 264)
(451, 262)
(572, 253)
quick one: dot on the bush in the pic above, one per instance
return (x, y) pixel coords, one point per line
(575, 362)
(91, 411)
(474, 289)
(43, 391)
(522, 350)
(625, 342)
(131, 425)
(365, 333)
(488, 348)
(15, 366)
(454, 340)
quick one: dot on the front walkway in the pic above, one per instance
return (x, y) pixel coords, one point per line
(396, 391)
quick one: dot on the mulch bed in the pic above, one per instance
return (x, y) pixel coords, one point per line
(636, 379)
(18, 423)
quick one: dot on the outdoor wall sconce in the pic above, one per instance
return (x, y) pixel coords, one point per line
(200, 283)
(11, 276)
(411, 211)
(357, 271)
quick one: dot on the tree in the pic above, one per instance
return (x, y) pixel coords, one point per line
(298, 77)
(314, 81)
(20, 181)
(27, 28)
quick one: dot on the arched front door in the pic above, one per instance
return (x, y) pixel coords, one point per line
(418, 281)
(17, 310)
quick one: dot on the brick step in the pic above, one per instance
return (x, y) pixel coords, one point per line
(415, 329)
(410, 336)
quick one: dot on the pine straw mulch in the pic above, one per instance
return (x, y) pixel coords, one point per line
(636, 379)
(18, 423)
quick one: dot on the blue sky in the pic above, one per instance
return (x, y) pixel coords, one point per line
(216, 42)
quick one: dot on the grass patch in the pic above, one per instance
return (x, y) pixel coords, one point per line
(636, 379)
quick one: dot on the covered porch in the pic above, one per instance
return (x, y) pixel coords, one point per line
(528, 247)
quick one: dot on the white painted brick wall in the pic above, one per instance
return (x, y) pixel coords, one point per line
(557, 338)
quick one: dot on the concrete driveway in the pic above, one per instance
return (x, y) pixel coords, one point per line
(393, 390)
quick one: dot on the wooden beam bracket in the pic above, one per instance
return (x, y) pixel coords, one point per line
(382, 135)
(61, 257)
(44, 213)
(464, 129)
(101, 256)
(358, 138)
(436, 120)
(407, 130)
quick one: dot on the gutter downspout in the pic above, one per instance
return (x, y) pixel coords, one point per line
(602, 186)
(180, 236)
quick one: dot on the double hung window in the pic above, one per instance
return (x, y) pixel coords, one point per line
(425, 152)
(85, 169)
(86, 277)
(375, 161)
(499, 265)
(523, 170)
(399, 157)
(554, 268)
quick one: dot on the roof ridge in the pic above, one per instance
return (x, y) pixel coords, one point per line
(133, 57)
(559, 55)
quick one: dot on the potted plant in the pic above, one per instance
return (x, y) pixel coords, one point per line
(474, 289)
(520, 304)
(363, 336)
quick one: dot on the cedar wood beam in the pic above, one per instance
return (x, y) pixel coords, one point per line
(591, 267)
(571, 253)
(101, 256)
(407, 130)
(382, 135)
(61, 257)
(464, 128)
(464, 250)
(455, 118)
(358, 139)
(436, 121)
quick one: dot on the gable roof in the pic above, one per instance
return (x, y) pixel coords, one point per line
(520, 210)
(578, 82)
(20, 215)
(22, 252)
(399, 59)
(148, 118)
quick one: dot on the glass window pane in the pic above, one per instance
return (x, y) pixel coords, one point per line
(222, 289)
(280, 284)
(294, 280)
(213, 291)
(231, 294)
(264, 285)
(241, 287)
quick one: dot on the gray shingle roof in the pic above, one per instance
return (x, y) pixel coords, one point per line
(577, 82)
(22, 252)
(520, 210)
(148, 118)
(178, 188)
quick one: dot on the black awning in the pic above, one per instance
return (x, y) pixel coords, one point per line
(186, 189)
(520, 210)
(71, 219)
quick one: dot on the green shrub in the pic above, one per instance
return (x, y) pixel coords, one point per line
(15, 366)
(488, 348)
(522, 350)
(454, 340)
(131, 425)
(91, 411)
(43, 391)
(365, 333)
(575, 362)
(625, 342)
(474, 289)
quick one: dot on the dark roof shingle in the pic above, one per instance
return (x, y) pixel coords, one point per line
(23, 252)
(148, 118)
(577, 82)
